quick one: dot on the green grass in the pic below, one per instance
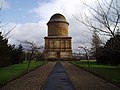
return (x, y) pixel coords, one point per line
(10, 72)
(107, 71)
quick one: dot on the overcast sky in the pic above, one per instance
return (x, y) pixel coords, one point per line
(31, 17)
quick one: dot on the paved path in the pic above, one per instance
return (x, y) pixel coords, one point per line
(58, 79)
(83, 80)
(31, 81)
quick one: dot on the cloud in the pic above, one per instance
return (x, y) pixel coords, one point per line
(37, 31)
(4, 4)
(29, 31)
(68, 8)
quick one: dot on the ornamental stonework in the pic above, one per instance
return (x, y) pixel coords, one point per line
(57, 43)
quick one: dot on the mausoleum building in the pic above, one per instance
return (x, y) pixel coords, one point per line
(58, 43)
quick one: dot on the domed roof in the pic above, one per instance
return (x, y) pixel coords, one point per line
(58, 18)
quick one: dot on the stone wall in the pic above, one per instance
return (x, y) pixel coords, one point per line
(58, 47)
(58, 44)
(63, 55)
(58, 29)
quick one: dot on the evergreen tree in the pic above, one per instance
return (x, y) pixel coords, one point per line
(17, 55)
(111, 52)
(9, 54)
(5, 52)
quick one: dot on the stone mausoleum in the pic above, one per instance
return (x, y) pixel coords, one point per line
(58, 43)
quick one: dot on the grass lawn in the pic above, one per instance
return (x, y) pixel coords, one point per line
(109, 72)
(10, 72)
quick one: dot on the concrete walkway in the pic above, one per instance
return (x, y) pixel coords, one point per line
(58, 79)
(31, 81)
(83, 80)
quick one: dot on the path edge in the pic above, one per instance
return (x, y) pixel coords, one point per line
(97, 75)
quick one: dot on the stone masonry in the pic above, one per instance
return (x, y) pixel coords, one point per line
(57, 43)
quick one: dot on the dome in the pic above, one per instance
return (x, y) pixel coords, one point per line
(58, 18)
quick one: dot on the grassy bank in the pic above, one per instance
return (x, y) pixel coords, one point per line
(109, 72)
(10, 72)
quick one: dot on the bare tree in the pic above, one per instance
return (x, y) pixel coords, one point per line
(5, 33)
(87, 53)
(105, 18)
(31, 47)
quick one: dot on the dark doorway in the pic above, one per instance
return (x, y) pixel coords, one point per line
(58, 54)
